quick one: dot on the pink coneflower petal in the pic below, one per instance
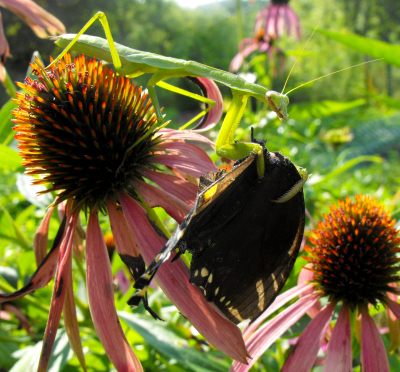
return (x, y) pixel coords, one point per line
(306, 349)
(71, 323)
(180, 188)
(101, 301)
(186, 149)
(293, 19)
(40, 21)
(9, 308)
(373, 353)
(155, 197)
(394, 326)
(261, 340)
(211, 91)
(281, 300)
(190, 135)
(394, 307)
(41, 238)
(339, 355)
(307, 276)
(61, 281)
(123, 282)
(173, 278)
(237, 62)
(4, 52)
(185, 164)
(44, 273)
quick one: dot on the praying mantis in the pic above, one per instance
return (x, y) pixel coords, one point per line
(133, 63)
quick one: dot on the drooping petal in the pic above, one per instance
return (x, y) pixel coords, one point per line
(9, 308)
(394, 307)
(43, 274)
(40, 21)
(393, 323)
(61, 281)
(182, 189)
(71, 323)
(261, 340)
(185, 135)
(155, 197)
(307, 276)
(173, 278)
(211, 91)
(41, 238)
(373, 353)
(338, 354)
(186, 149)
(306, 349)
(277, 304)
(4, 52)
(185, 164)
(101, 301)
(125, 242)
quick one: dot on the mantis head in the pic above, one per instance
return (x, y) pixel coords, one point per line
(278, 103)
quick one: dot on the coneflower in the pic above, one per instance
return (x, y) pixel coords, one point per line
(353, 263)
(92, 137)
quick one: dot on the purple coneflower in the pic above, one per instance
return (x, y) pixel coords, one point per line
(38, 19)
(93, 138)
(354, 263)
(268, 28)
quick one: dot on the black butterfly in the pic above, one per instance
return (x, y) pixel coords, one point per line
(243, 239)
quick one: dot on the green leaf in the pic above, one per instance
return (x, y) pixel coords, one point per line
(320, 109)
(374, 48)
(343, 168)
(10, 160)
(163, 339)
(29, 356)
(5, 118)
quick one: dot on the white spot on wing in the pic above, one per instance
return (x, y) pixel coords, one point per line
(260, 292)
(204, 272)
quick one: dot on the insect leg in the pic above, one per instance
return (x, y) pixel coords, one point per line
(225, 145)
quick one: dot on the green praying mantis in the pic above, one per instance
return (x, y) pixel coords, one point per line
(133, 63)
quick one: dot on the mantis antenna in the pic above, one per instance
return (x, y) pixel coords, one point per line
(332, 73)
(294, 64)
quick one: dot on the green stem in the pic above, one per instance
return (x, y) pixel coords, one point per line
(9, 86)
(239, 19)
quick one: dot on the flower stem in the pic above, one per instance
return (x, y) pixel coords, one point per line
(9, 86)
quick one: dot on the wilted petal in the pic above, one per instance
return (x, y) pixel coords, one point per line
(338, 354)
(41, 238)
(43, 274)
(393, 323)
(9, 308)
(71, 323)
(61, 281)
(261, 340)
(185, 164)
(277, 304)
(211, 91)
(373, 353)
(236, 62)
(41, 22)
(182, 189)
(101, 301)
(155, 197)
(306, 349)
(173, 278)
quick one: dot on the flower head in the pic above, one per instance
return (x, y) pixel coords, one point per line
(93, 138)
(353, 262)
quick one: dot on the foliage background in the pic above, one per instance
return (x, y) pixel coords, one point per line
(362, 103)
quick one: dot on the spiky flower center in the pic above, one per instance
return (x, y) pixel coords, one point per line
(84, 130)
(354, 258)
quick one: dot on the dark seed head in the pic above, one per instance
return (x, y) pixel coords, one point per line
(355, 252)
(84, 130)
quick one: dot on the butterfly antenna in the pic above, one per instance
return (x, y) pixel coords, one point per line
(294, 64)
(332, 73)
